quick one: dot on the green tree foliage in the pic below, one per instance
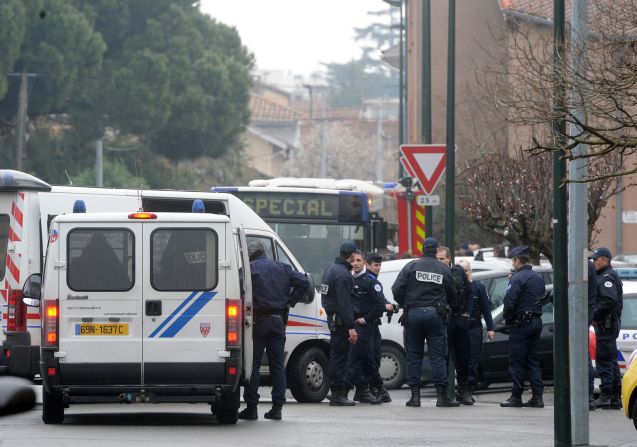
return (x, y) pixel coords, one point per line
(116, 175)
(13, 26)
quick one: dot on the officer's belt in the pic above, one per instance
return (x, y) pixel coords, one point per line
(422, 307)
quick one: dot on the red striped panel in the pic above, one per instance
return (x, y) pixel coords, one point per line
(15, 271)
(17, 213)
(13, 237)
(299, 323)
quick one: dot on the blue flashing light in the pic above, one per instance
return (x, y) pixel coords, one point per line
(390, 185)
(7, 179)
(198, 206)
(224, 189)
(79, 206)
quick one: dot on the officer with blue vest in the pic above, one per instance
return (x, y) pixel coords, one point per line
(371, 304)
(341, 307)
(607, 322)
(425, 289)
(273, 283)
(523, 311)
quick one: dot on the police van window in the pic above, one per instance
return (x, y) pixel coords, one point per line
(101, 259)
(4, 243)
(283, 257)
(184, 259)
(267, 243)
(629, 312)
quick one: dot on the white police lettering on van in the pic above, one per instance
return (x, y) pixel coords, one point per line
(429, 277)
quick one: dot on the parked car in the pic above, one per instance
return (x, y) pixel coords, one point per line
(629, 390)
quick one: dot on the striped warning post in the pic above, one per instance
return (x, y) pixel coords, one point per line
(12, 271)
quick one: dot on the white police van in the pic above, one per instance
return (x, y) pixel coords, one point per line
(144, 307)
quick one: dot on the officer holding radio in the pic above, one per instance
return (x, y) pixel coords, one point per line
(523, 311)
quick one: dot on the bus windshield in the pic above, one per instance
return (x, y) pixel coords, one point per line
(316, 245)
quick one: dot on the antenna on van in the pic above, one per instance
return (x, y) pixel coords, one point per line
(140, 170)
(68, 177)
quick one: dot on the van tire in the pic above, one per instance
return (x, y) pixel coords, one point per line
(307, 376)
(227, 416)
(392, 360)
(52, 408)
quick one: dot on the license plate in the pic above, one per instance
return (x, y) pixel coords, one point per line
(101, 329)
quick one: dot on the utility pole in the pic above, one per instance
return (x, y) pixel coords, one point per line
(379, 142)
(323, 172)
(99, 165)
(23, 102)
(562, 411)
(426, 94)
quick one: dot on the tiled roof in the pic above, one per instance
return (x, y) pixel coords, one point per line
(264, 110)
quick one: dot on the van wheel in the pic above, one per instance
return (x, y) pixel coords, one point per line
(392, 367)
(227, 416)
(52, 408)
(307, 376)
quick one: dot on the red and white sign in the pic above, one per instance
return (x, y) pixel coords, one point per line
(424, 162)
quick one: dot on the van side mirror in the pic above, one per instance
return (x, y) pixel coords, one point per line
(309, 294)
(32, 290)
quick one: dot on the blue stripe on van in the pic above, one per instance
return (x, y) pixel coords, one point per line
(188, 314)
(172, 315)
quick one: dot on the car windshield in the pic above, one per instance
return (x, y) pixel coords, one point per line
(629, 312)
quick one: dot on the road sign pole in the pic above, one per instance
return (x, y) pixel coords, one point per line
(426, 94)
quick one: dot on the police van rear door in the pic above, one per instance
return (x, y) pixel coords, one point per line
(247, 303)
(100, 291)
(184, 300)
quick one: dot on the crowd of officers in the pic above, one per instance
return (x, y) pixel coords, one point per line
(441, 306)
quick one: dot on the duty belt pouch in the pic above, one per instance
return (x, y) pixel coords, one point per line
(443, 311)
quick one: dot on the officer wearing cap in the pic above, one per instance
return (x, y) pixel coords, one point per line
(373, 263)
(272, 283)
(339, 302)
(607, 322)
(523, 311)
(424, 288)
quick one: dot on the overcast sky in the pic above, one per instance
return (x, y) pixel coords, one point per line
(296, 35)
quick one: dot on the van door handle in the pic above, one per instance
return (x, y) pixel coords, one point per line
(153, 307)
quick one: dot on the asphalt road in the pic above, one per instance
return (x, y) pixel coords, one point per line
(387, 425)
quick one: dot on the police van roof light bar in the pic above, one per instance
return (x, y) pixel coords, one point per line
(142, 216)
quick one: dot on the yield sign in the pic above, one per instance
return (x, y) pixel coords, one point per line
(425, 162)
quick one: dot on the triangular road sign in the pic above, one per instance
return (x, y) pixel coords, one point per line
(425, 162)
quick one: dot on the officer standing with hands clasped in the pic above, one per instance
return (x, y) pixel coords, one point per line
(607, 323)
(337, 298)
(523, 311)
(424, 289)
(272, 285)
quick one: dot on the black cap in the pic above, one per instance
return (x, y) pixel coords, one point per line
(520, 250)
(373, 257)
(348, 247)
(601, 251)
(430, 242)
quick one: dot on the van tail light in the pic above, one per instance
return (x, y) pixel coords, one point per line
(16, 312)
(233, 323)
(50, 327)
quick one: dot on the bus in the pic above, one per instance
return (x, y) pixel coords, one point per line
(313, 216)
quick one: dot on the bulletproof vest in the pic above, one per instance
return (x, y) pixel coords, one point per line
(461, 293)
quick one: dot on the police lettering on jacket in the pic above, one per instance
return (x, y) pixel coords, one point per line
(337, 292)
(423, 282)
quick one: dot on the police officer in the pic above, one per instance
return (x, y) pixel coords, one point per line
(371, 304)
(523, 311)
(424, 288)
(607, 322)
(373, 263)
(592, 297)
(458, 328)
(340, 304)
(480, 309)
(272, 282)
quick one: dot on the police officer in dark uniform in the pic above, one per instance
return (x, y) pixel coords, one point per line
(340, 304)
(272, 284)
(424, 289)
(371, 304)
(458, 327)
(373, 263)
(592, 297)
(523, 311)
(607, 322)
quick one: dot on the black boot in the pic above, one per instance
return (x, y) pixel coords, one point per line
(383, 395)
(357, 395)
(366, 397)
(415, 397)
(274, 413)
(603, 401)
(470, 389)
(463, 395)
(513, 401)
(443, 400)
(616, 398)
(591, 401)
(249, 413)
(339, 399)
(535, 401)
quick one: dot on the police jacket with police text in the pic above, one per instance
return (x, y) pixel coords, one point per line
(337, 292)
(272, 282)
(424, 282)
(525, 291)
(370, 297)
(481, 304)
(609, 301)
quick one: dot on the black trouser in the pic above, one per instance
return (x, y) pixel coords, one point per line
(339, 351)
(360, 361)
(524, 342)
(268, 334)
(606, 359)
(475, 343)
(375, 379)
(424, 324)
(458, 339)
